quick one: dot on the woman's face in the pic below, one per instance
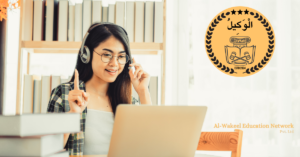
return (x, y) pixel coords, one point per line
(109, 71)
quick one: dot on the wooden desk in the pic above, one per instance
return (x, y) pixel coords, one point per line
(196, 155)
(89, 156)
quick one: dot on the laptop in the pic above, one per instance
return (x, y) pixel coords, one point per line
(156, 131)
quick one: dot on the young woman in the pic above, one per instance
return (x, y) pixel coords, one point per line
(101, 81)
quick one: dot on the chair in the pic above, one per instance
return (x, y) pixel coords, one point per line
(222, 141)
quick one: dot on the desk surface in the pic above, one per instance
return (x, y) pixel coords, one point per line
(89, 156)
(196, 155)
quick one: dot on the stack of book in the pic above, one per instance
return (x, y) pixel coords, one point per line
(61, 20)
(36, 134)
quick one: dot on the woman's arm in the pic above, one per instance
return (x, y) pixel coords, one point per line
(145, 97)
(140, 80)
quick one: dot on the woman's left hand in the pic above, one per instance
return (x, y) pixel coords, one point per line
(140, 78)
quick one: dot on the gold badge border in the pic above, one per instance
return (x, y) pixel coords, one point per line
(253, 69)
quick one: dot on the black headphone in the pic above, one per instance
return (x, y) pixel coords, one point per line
(85, 53)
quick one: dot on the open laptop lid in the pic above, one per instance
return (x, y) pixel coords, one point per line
(159, 131)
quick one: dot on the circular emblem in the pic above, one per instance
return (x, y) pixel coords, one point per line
(240, 41)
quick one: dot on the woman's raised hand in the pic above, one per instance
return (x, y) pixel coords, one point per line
(78, 99)
(140, 79)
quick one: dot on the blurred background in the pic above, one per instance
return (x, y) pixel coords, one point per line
(271, 96)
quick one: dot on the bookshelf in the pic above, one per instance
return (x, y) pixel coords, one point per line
(72, 47)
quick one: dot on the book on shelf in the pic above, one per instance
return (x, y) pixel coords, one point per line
(149, 7)
(120, 14)
(46, 91)
(97, 11)
(37, 145)
(130, 20)
(87, 15)
(104, 14)
(139, 22)
(65, 79)
(27, 21)
(28, 94)
(111, 13)
(55, 20)
(153, 89)
(63, 20)
(49, 20)
(71, 23)
(55, 81)
(28, 91)
(158, 22)
(39, 124)
(37, 95)
(78, 22)
(37, 20)
(44, 18)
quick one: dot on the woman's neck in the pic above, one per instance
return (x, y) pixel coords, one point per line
(97, 86)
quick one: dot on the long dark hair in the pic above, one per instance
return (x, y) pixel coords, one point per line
(118, 91)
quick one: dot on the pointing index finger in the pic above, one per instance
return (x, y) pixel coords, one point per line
(76, 80)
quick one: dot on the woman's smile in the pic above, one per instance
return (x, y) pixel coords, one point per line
(111, 72)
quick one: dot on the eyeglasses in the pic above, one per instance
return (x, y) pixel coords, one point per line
(107, 57)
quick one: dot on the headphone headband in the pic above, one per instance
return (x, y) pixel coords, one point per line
(85, 58)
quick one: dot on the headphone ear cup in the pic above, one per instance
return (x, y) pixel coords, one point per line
(85, 58)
